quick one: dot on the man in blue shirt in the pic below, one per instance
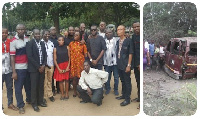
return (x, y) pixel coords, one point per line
(151, 51)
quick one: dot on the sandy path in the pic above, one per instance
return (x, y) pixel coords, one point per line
(72, 107)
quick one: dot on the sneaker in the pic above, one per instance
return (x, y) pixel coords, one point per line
(107, 92)
(116, 92)
(21, 110)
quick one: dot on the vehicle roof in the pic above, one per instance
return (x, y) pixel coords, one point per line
(188, 39)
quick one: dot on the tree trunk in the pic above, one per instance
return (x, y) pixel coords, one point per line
(56, 21)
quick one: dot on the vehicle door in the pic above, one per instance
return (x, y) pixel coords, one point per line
(176, 58)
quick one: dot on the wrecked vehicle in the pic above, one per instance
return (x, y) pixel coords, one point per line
(181, 58)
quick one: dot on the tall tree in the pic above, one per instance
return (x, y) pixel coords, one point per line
(90, 13)
(166, 20)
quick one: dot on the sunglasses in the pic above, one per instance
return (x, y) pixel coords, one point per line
(93, 29)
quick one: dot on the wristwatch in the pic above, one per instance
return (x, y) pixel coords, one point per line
(90, 60)
(129, 65)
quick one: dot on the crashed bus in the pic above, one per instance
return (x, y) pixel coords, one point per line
(181, 58)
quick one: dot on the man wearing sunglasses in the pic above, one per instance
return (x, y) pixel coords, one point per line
(96, 46)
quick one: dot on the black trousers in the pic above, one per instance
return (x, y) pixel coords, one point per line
(57, 84)
(126, 84)
(137, 77)
(97, 95)
(37, 88)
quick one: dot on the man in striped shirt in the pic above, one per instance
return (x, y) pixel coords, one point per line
(19, 66)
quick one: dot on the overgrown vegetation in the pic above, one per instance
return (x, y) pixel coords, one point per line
(165, 20)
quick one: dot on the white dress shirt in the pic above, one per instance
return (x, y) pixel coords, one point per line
(49, 49)
(146, 45)
(94, 79)
(161, 50)
(102, 34)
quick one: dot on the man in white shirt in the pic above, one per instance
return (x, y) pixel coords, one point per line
(146, 45)
(110, 61)
(49, 68)
(91, 84)
(102, 27)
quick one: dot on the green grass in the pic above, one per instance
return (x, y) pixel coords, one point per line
(184, 101)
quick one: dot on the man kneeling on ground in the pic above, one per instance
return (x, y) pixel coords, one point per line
(91, 84)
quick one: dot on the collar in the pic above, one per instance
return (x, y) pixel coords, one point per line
(91, 69)
(37, 42)
(110, 39)
(45, 41)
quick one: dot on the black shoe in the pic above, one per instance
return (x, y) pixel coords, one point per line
(120, 97)
(135, 100)
(44, 100)
(99, 104)
(43, 105)
(54, 93)
(124, 103)
(58, 91)
(36, 108)
(52, 99)
(85, 101)
(66, 98)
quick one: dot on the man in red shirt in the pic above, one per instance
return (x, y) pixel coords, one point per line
(6, 68)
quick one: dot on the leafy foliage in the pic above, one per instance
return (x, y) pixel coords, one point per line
(167, 20)
(64, 14)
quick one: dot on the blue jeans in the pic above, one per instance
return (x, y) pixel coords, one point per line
(9, 86)
(111, 69)
(22, 80)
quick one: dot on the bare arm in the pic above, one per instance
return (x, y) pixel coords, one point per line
(55, 60)
(148, 58)
(89, 55)
(100, 55)
(67, 69)
(85, 50)
(14, 74)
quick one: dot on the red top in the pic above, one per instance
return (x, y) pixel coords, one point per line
(7, 42)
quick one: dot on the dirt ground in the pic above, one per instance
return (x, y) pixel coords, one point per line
(73, 107)
(164, 95)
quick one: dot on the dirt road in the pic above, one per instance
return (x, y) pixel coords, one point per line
(163, 95)
(72, 107)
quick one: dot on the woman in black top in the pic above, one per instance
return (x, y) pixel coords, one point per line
(62, 62)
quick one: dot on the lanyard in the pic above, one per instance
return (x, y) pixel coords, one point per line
(39, 48)
(4, 46)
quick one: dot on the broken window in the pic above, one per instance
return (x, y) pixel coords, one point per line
(193, 49)
(176, 48)
(168, 46)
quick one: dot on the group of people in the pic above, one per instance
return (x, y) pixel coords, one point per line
(76, 56)
(152, 54)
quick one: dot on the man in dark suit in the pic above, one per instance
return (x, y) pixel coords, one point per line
(37, 56)
(124, 58)
(136, 57)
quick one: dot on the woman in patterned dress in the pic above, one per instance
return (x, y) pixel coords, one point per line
(78, 52)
